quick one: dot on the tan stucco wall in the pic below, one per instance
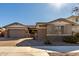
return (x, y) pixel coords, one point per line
(51, 28)
(75, 29)
(41, 32)
(68, 29)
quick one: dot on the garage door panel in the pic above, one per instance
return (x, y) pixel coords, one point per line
(17, 33)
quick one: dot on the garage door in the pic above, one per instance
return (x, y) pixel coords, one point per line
(17, 33)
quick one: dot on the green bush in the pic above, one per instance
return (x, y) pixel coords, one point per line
(70, 39)
(47, 42)
(77, 35)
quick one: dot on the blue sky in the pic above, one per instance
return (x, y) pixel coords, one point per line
(30, 13)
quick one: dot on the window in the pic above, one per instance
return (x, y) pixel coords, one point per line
(60, 29)
(77, 20)
(42, 25)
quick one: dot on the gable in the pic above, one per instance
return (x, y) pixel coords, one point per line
(61, 21)
(15, 25)
(74, 19)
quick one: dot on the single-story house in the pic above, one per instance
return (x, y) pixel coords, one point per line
(58, 28)
(44, 30)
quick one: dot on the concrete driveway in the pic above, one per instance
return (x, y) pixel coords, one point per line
(8, 48)
(11, 41)
(20, 42)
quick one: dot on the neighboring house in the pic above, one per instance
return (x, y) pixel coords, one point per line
(74, 19)
(2, 31)
(16, 30)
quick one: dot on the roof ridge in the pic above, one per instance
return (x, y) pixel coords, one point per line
(14, 23)
(64, 19)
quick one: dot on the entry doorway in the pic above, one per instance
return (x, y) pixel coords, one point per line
(32, 33)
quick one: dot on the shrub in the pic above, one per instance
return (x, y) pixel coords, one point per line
(77, 35)
(70, 39)
(47, 42)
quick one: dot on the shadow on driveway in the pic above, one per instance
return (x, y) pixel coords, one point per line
(30, 43)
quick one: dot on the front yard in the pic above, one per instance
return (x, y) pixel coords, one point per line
(8, 47)
(30, 47)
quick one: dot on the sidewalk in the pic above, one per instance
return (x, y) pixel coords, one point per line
(22, 51)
